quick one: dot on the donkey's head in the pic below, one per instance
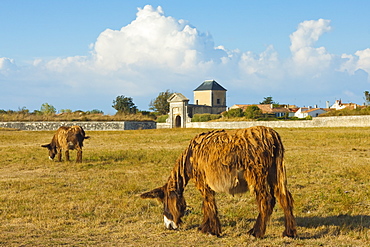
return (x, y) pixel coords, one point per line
(52, 150)
(173, 202)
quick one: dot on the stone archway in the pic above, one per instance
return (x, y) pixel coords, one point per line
(178, 121)
(178, 110)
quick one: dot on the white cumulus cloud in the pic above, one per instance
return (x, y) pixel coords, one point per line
(361, 60)
(308, 33)
(7, 64)
(305, 56)
(154, 40)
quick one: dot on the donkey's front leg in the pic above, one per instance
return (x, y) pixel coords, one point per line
(211, 223)
(66, 154)
(59, 154)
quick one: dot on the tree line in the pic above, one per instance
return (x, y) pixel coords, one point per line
(124, 105)
(159, 105)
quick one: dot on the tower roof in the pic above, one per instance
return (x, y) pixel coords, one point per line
(210, 85)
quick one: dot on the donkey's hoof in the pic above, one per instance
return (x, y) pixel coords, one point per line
(208, 230)
(290, 234)
(255, 233)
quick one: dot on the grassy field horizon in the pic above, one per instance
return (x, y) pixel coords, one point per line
(97, 203)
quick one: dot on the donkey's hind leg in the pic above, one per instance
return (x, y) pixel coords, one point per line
(211, 223)
(286, 202)
(266, 202)
(79, 155)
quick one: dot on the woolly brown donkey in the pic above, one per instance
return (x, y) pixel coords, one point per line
(66, 138)
(230, 161)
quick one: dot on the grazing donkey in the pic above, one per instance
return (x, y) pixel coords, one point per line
(66, 138)
(232, 162)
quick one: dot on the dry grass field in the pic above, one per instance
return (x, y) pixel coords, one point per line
(97, 203)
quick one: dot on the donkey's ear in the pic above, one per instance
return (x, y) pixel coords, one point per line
(157, 193)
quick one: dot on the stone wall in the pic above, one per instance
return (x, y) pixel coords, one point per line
(345, 121)
(114, 125)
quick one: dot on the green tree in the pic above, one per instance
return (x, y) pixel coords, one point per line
(65, 111)
(160, 104)
(23, 110)
(47, 109)
(95, 111)
(233, 113)
(124, 105)
(268, 100)
(253, 112)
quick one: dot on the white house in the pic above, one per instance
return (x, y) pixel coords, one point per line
(304, 112)
(338, 105)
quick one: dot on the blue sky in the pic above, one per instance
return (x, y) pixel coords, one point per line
(82, 54)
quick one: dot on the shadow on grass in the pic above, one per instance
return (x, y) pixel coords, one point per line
(106, 158)
(340, 222)
(331, 225)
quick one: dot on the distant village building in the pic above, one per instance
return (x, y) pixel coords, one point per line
(338, 105)
(270, 109)
(209, 97)
(285, 110)
(304, 112)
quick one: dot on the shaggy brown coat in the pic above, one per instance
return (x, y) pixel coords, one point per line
(67, 138)
(232, 162)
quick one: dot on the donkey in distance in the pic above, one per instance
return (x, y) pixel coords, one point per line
(66, 138)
